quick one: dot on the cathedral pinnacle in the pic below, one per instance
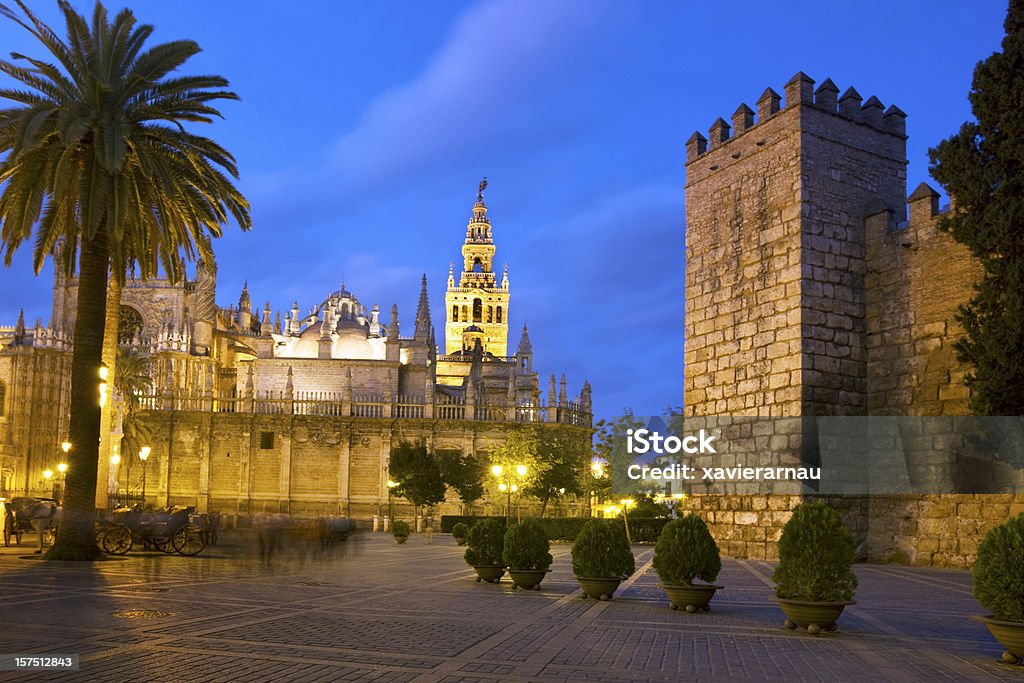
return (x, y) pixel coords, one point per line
(422, 332)
(525, 347)
(245, 301)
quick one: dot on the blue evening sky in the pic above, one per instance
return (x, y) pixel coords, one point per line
(364, 128)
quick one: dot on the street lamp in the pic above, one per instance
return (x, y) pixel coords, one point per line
(507, 487)
(48, 475)
(144, 457)
(626, 504)
(391, 505)
(63, 469)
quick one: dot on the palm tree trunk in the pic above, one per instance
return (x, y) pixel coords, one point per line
(76, 539)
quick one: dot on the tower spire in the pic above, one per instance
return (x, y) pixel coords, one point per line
(477, 297)
(422, 332)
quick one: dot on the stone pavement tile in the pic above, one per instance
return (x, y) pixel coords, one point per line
(387, 612)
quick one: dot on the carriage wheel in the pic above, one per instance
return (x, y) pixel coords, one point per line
(117, 541)
(189, 540)
(164, 544)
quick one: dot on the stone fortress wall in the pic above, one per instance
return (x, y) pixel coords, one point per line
(810, 292)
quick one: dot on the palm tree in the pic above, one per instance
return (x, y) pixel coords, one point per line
(98, 159)
(132, 381)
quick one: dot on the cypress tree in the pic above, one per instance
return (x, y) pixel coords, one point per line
(982, 169)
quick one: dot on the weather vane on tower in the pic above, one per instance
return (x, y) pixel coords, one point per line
(480, 192)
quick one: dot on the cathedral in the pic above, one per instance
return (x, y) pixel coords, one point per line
(250, 412)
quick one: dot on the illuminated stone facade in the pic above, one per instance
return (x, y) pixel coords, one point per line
(252, 411)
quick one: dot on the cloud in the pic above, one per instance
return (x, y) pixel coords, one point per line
(501, 57)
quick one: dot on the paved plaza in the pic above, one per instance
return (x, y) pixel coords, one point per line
(376, 611)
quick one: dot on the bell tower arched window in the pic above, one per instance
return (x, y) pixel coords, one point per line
(455, 314)
(499, 314)
(478, 310)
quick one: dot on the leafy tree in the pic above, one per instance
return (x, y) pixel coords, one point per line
(465, 473)
(982, 168)
(131, 382)
(97, 157)
(612, 450)
(564, 461)
(648, 508)
(417, 473)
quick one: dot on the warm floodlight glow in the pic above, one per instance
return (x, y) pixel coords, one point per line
(62, 467)
(515, 487)
(392, 484)
(115, 459)
(47, 474)
(65, 446)
(497, 470)
(144, 453)
(104, 371)
(503, 486)
(521, 470)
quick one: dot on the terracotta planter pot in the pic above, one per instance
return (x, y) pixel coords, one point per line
(813, 616)
(602, 589)
(527, 579)
(1010, 635)
(401, 539)
(489, 573)
(691, 597)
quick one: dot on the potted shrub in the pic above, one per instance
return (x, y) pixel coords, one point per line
(459, 533)
(400, 530)
(601, 558)
(686, 551)
(526, 554)
(814, 580)
(484, 549)
(999, 585)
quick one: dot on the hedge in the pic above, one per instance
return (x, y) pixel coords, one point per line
(641, 530)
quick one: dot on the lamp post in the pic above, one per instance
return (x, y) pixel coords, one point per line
(63, 469)
(597, 470)
(391, 505)
(144, 457)
(507, 487)
(47, 476)
(626, 504)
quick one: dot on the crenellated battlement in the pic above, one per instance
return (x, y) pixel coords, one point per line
(799, 91)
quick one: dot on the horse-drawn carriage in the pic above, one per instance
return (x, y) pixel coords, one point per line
(45, 511)
(168, 530)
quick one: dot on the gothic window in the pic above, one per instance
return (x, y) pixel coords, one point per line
(129, 325)
(478, 310)
(499, 314)
(455, 314)
(490, 314)
(478, 267)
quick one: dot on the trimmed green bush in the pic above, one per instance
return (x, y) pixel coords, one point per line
(400, 530)
(815, 556)
(642, 530)
(526, 546)
(646, 529)
(685, 551)
(459, 532)
(601, 551)
(448, 522)
(485, 544)
(999, 571)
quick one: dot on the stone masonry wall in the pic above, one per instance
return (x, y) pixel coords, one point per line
(807, 293)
